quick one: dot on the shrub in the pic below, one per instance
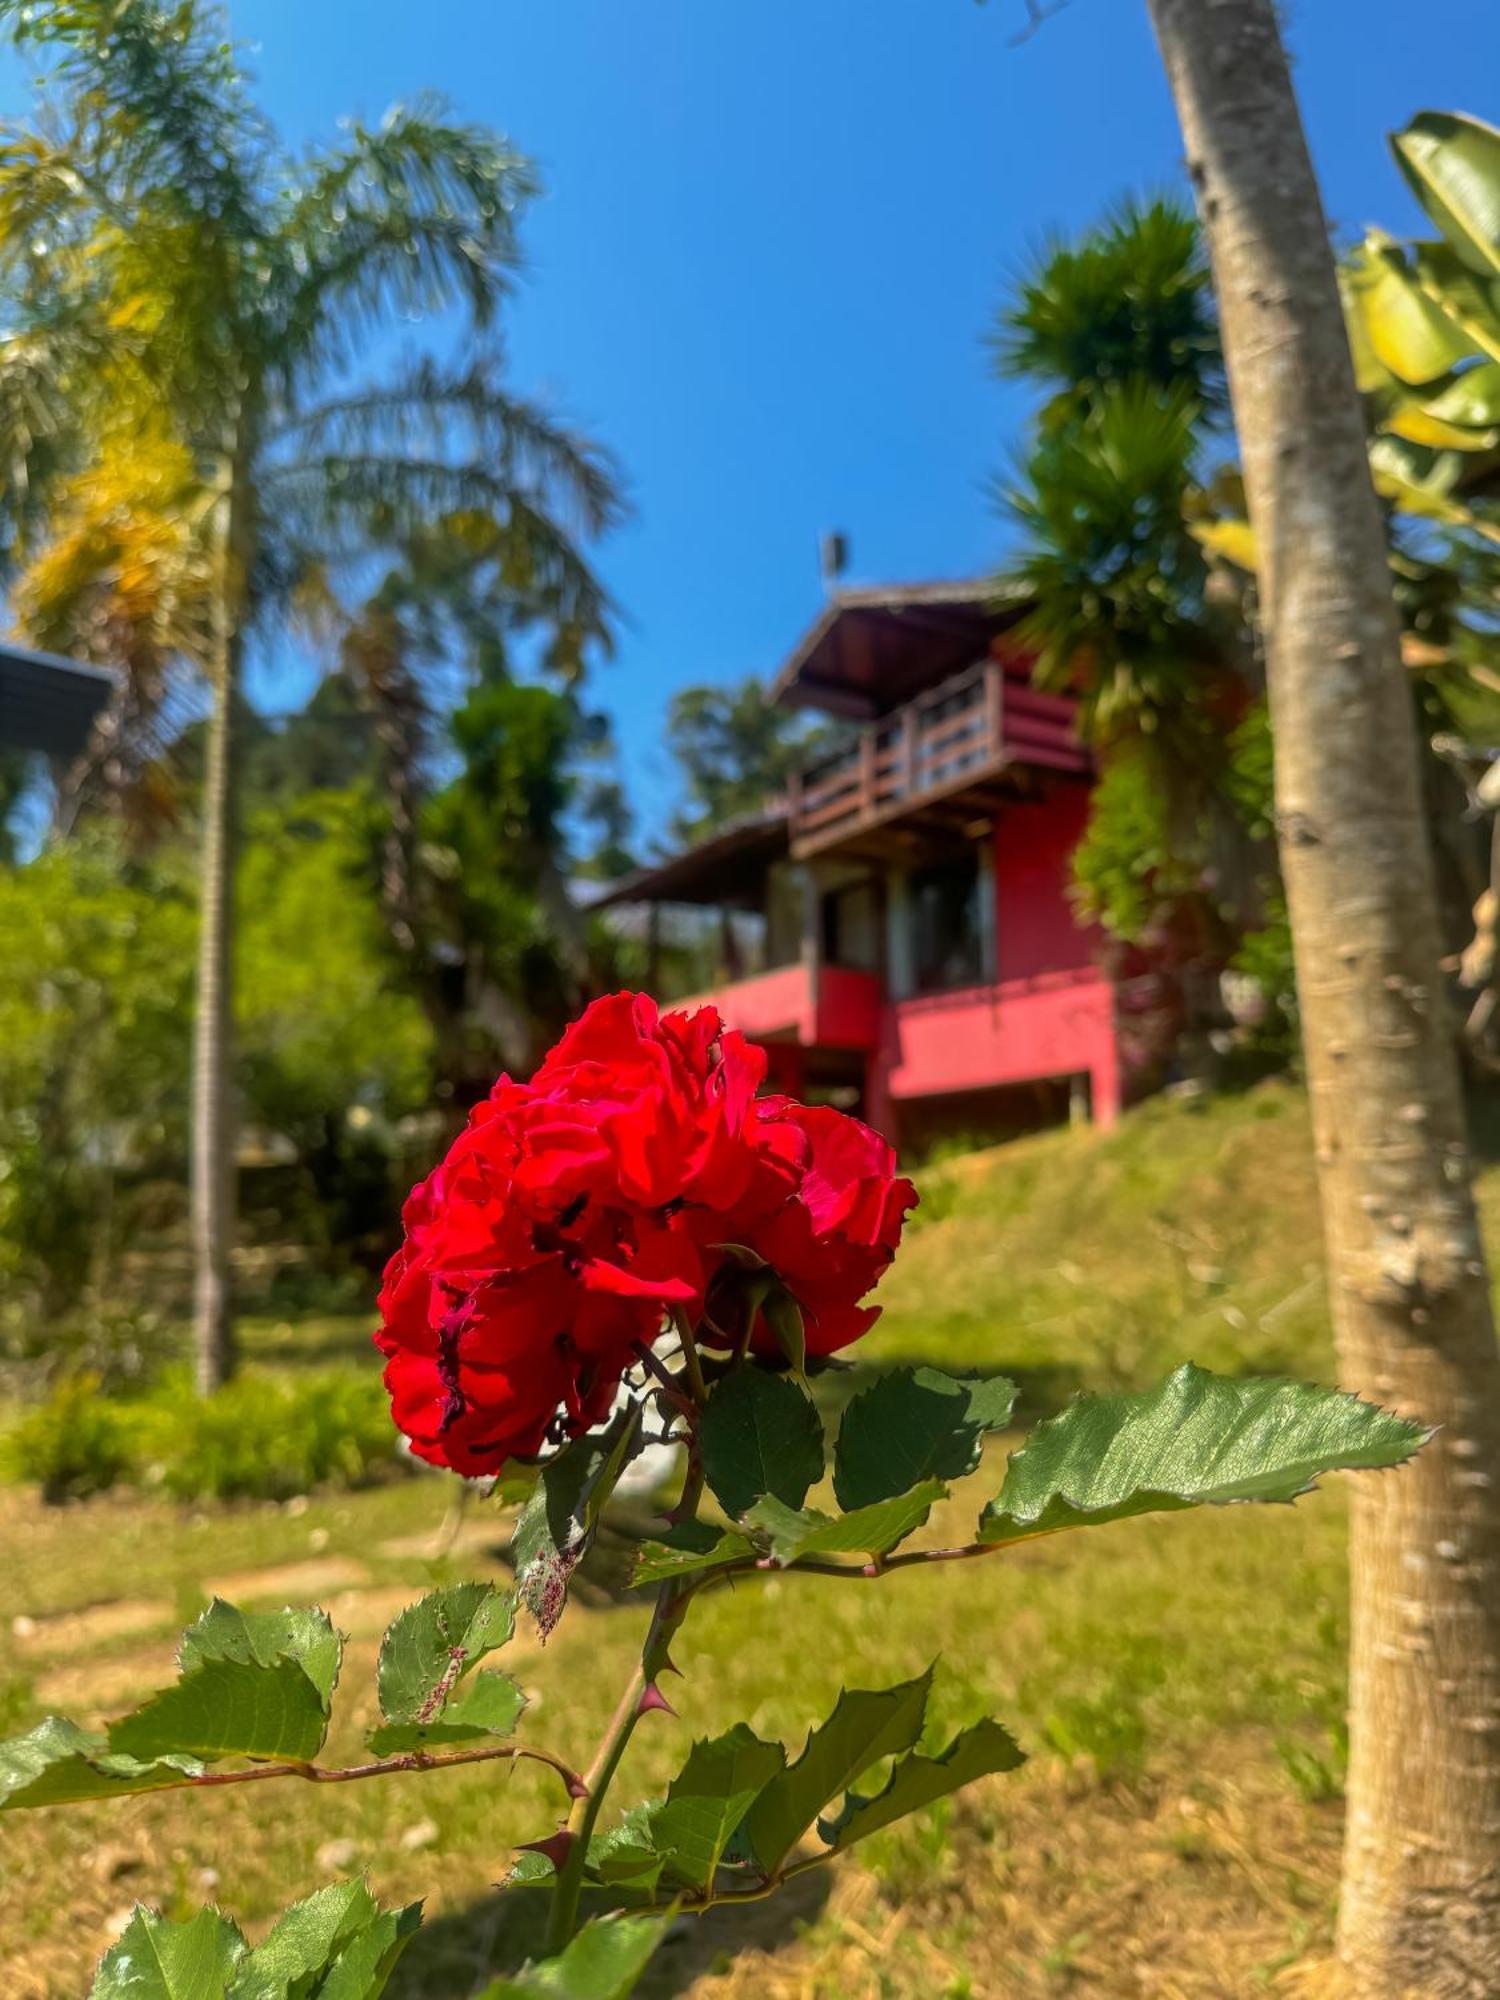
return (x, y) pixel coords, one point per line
(261, 1439)
(74, 1444)
(256, 1439)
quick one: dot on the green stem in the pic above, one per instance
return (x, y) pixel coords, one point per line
(671, 1606)
(691, 1366)
(672, 1601)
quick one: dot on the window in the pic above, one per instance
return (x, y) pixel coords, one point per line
(946, 931)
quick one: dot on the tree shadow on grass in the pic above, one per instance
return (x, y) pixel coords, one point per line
(454, 1955)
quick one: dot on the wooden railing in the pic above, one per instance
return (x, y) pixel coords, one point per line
(955, 729)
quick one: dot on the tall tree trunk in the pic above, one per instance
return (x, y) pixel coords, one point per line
(1410, 1298)
(213, 1128)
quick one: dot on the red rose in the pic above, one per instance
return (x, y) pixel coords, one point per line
(834, 1234)
(542, 1255)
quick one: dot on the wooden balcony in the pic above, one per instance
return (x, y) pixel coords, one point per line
(930, 768)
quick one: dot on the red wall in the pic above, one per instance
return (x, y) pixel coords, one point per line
(1035, 928)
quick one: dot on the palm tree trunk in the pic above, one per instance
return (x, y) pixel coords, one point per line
(1410, 1296)
(213, 1196)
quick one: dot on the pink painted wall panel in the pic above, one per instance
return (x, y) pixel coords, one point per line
(1054, 1025)
(848, 1013)
(851, 1008)
(1035, 927)
(774, 1003)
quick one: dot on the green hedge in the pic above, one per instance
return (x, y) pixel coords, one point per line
(260, 1438)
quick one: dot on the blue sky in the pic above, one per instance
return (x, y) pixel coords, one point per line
(773, 233)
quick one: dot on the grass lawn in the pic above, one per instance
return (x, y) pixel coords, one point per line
(1178, 1682)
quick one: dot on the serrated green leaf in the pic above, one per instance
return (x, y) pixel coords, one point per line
(795, 1534)
(559, 1520)
(603, 1962)
(488, 1705)
(1195, 1440)
(866, 1725)
(365, 1963)
(914, 1424)
(432, 1645)
(153, 1959)
(687, 1550)
(335, 1945)
(303, 1940)
(759, 1434)
(265, 1639)
(251, 1686)
(57, 1763)
(627, 1856)
(708, 1799)
(917, 1780)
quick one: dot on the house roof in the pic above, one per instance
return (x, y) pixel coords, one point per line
(726, 864)
(48, 703)
(873, 648)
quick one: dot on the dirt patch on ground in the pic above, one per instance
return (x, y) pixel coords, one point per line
(94, 1625)
(296, 1583)
(88, 1690)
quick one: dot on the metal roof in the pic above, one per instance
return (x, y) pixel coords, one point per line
(47, 703)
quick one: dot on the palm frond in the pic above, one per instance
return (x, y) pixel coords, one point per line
(1132, 299)
(164, 96)
(466, 412)
(411, 216)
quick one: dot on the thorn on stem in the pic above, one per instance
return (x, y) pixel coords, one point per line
(651, 1699)
(556, 1847)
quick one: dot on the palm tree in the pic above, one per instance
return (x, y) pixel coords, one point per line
(1408, 1283)
(168, 270)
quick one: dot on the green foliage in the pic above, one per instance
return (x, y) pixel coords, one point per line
(324, 1028)
(914, 1424)
(1197, 1440)
(759, 1435)
(257, 1685)
(258, 1438)
(252, 1685)
(426, 1657)
(95, 979)
(735, 749)
(259, 1688)
(1131, 300)
(74, 1444)
(791, 1534)
(559, 1520)
(603, 1962)
(335, 1945)
(706, 1803)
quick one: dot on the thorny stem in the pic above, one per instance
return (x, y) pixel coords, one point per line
(672, 1600)
(416, 1760)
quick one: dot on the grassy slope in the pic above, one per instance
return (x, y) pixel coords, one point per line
(1159, 1671)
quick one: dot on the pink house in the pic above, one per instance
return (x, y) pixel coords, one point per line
(897, 931)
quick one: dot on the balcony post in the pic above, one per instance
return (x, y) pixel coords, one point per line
(909, 738)
(812, 937)
(994, 707)
(867, 771)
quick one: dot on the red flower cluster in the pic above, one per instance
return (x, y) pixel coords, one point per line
(624, 1180)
